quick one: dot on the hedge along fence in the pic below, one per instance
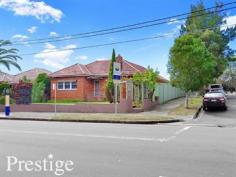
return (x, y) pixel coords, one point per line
(166, 92)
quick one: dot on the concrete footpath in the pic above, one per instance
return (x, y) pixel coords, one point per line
(157, 115)
(164, 109)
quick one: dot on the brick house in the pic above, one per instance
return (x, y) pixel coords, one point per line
(87, 82)
(29, 74)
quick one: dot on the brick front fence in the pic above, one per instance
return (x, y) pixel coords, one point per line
(125, 106)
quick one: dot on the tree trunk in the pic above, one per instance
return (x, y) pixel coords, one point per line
(186, 100)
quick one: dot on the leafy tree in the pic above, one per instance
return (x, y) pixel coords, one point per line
(41, 88)
(4, 86)
(8, 57)
(191, 65)
(233, 58)
(148, 78)
(38, 92)
(228, 79)
(110, 83)
(210, 27)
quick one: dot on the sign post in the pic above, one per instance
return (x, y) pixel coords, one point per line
(7, 105)
(54, 87)
(6, 92)
(116, 80)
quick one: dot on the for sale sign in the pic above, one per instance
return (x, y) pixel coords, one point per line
(116, 71)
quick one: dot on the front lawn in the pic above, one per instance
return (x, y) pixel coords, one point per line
(129, 118)
(194, 104)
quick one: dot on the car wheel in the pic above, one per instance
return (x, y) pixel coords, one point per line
(225, 108)
(204, 108)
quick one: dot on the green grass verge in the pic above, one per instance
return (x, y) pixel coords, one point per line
(111, 117)
(194, 104)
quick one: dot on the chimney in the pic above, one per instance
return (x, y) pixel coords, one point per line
(119, 59)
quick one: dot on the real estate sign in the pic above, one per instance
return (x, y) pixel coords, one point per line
(116, 71)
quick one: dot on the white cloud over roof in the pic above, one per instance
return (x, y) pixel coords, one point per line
(37, 9)
(230, 22)
(32, 29)
(53, 34)
(55, 57)
(20, 37)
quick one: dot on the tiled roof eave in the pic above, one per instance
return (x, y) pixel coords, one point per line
(68, 75)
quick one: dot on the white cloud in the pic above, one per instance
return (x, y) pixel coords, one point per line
(32, 29)
(55, 57)
(230, 22)
(175, 21)
(53, 34)
(37, 9)
(20, 37)
(82, 57)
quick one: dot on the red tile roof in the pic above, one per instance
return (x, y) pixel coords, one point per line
(74, 70)
(4, 77)
(98, 68)
(30, 74)
(161, 79)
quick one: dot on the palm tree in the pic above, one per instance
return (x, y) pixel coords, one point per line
(8, 56)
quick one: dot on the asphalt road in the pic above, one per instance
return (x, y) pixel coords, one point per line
(218, 116)
(199, 148)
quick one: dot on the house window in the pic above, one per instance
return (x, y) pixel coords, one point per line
(60, 85)
(67, 85)
(74, 85)
(96, 88)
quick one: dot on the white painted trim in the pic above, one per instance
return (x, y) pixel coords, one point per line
(81, 68)
(87, 70)
(131, 65)
(64, 85)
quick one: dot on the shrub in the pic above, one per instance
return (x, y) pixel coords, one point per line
(41, 88)
(3, 86)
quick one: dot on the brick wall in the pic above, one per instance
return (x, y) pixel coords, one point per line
(149, 105)
(84, 91)
(124, 106)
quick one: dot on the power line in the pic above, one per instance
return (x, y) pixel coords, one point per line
(98, 45)
(114, 43)
(120, 29)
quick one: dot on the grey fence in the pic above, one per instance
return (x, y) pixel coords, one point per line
(166, 92)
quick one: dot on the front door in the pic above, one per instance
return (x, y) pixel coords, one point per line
(96, 88)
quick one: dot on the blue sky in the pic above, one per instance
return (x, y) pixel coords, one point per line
(28, 19)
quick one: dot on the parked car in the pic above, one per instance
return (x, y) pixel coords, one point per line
(217, 91)
(215, 86)
(214, 100)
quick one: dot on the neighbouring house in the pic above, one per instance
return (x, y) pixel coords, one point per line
(4, 77)
(30, 74)
(88, 82)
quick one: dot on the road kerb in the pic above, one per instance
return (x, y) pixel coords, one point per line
(195, 116)
(93, 121)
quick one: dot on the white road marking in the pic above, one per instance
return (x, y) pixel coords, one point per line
(100, 136)
(182, 130)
